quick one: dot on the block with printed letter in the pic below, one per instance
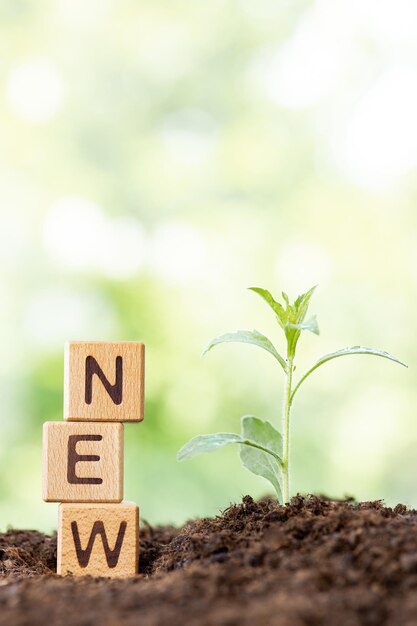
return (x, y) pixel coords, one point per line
(104, 381)
(82, 462)
(98, 539)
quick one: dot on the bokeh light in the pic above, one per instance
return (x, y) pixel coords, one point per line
(35, 90)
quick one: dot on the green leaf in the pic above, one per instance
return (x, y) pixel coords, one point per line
(203, 444)
(311, 324)
(247, 336)
(275, 306)
(264, 461)
(302, 303)
(291, 319)
(206, 443)
(345, 352)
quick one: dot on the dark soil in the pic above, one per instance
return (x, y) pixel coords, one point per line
(314, 562)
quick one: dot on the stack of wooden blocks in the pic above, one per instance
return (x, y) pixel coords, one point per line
(83, 459)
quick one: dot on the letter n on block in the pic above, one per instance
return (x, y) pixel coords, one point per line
(98, 539)
(104, 381)
(82, 462)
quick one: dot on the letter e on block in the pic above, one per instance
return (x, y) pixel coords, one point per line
(98, 539)
(82, 462)
(104, 381)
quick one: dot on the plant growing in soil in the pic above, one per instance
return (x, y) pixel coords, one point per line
(263, 449)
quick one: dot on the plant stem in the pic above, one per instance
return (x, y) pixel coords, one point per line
(286, 413)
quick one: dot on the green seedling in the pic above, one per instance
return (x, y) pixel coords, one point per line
(264, 450)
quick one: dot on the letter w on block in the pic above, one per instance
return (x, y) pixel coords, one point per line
(104, 381)
(98, 539)
(112, 556)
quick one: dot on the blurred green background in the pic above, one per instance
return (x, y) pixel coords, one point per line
(159, 157)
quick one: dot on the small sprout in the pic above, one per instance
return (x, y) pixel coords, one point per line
(264, 450)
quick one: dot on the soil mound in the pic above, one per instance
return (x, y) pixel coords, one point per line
(314, 562)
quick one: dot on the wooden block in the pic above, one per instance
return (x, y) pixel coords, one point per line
(104, 381)
(98, 539)
(82, 462)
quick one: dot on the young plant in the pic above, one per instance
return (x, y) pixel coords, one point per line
(264, 450)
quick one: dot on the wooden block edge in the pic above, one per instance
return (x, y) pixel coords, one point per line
(67, 348)
(97, 504)
(45, 466)
(45, 461)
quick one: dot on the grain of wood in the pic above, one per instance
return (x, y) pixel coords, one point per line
(104, 381)
(98, 539)
(82, 462)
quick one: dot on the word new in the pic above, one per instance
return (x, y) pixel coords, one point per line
(98, 533)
